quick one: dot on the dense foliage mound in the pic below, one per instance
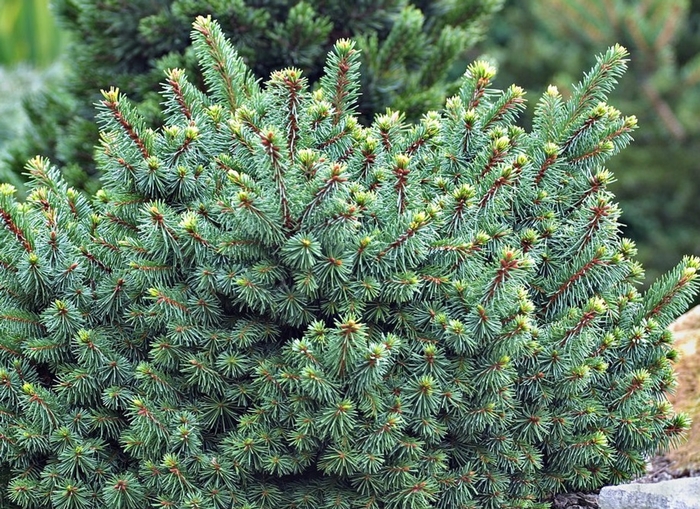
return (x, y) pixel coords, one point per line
(269, 305)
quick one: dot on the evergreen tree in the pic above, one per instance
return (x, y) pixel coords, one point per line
(270, 305)
(410, 48)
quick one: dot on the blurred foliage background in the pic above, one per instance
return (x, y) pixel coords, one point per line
(30, 46)
(28, 33)
(533, 43)
(540, 42)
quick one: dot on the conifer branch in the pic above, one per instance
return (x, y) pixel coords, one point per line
(506, 179)
(173, 79)
(224, 71)
(112, 103)
(340, 81)
(401, 172)
(22, 318)
(272, 151)
(121, 222)
(551, 154)
(334, 180)
(419, 222)
(15, 230)
(508, 264)
(596, 261)
(590, 314)
(92, 258)
(478, 78)
(293, 104)
(512, 102)
(595, 85)
(498, 153)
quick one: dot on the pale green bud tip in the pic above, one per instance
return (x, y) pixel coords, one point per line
(482, 238)
(689, 272)
(419, 218)
(481, 70)
(501, 143)
(153, 163)
(191, 132)
(402, 161)
(307, 156)
(189, 223)
(553, 91)
(453, 103)
(620, 51)
(388, 120)
(111, 95)
(172, 130)
(606, 146)
(174, 74)
(38, 164)
(692, 261)
(600, 110)
(516, 91)
(344, 47)
(529, 235)
(464, 192)
(203, 24)
(596, 305)
(285, 76)
(215, 111)
(469, 116)
(613, 113)
(551, 149)
(628, 247)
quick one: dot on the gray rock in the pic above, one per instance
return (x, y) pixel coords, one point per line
(676, 494)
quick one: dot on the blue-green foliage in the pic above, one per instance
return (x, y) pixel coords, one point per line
(269, 305)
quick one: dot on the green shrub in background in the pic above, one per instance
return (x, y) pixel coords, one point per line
(658, 182)
(410, 50)
(271, 306)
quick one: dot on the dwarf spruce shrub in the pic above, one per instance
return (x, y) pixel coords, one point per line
(271, 306)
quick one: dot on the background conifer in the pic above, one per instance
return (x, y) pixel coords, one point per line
(657, 183)
(270, 305)
(411, 47)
